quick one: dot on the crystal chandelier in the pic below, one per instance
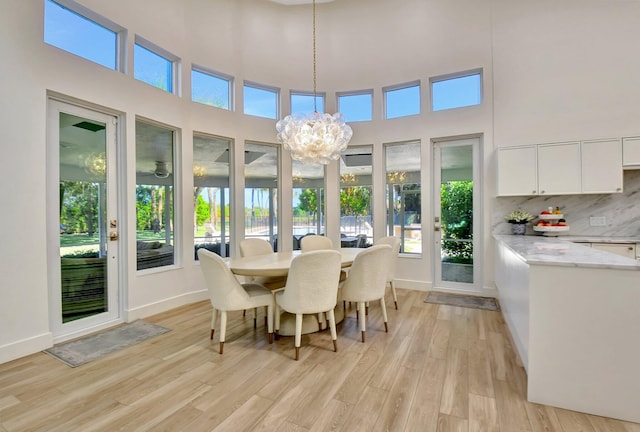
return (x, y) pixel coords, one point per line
(315, 138)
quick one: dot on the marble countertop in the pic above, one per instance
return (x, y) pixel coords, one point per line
(600, 239)
(539, 250)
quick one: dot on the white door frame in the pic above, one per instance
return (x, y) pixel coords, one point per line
(64, 331)
(438, 283)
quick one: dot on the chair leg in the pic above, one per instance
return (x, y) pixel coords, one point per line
(255, 318)
(298, 335)
(270, 323)
(223, 329)
(366, 308)
(363, 321)
(332, 326)
(384, 314)
(213, 322)
(393, 293)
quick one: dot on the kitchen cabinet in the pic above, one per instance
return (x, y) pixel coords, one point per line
(601, 163)
(571, 314)
(625, 249)
(631, 153)
(517, 171)
(559, 169)
(585, 167)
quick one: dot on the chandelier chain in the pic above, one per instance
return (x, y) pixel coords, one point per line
(315, 108)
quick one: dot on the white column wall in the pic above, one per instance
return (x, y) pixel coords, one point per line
(531, 57)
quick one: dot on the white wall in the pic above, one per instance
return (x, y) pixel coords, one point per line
(558, 75)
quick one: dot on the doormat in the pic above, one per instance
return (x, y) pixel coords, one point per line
(468, 301)
(98, 345)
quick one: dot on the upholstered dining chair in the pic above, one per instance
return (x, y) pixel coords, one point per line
(367, 282)
(227, 294)
(394, 242)
(315, 242)
(312, 288)
(254, 247)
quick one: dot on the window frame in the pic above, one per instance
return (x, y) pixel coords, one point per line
(264, 87)
(356, 93)
(227, 228)
(220, 75)
(402, 86)
(389, 227)
(452, 76)
(160, 52)
(121, 33)
(176, 192)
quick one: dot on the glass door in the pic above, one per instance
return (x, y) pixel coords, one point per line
(455, 198)
(83, 219)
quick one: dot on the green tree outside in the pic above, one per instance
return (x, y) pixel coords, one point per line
(456, 199)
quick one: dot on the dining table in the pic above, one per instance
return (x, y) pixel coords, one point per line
(278, 264)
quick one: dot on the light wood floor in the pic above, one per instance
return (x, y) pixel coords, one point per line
(440, 368)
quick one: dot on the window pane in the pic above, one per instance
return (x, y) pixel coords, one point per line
(154, 195)
(303, 103)
(152, 68)
(402, 102)
(211, 194)
(404, 214)
(356, 213)
(76, 34)
(456, 92)
(358, 107)
(308, 201)
(261, 192)
(260, 102)
(83, 217)
(210, 90)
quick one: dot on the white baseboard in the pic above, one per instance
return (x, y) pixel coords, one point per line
(25, 347)
(413, 284)
(165, 305)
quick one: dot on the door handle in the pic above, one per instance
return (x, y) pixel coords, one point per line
(113, 235)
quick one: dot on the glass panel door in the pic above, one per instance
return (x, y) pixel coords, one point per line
(455, 198)
(85, 290)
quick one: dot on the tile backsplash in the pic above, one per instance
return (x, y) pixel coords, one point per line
(621, 211)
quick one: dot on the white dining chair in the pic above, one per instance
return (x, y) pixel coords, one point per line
(255, 247)
(312, 288)
(227, 294)
(315, 242)
(367, 282)
(394, 242)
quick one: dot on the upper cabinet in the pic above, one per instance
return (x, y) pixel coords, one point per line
(602, 166)
(517, 171)
(631, 153)
(561, 169)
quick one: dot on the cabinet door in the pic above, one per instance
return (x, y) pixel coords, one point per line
(517, 171)
(559, 169)
(602, 166)
(626, 250)
(631, 152)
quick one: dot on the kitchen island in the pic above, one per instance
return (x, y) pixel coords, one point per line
(574, 315)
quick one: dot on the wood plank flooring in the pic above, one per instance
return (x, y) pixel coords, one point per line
(440, 368)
